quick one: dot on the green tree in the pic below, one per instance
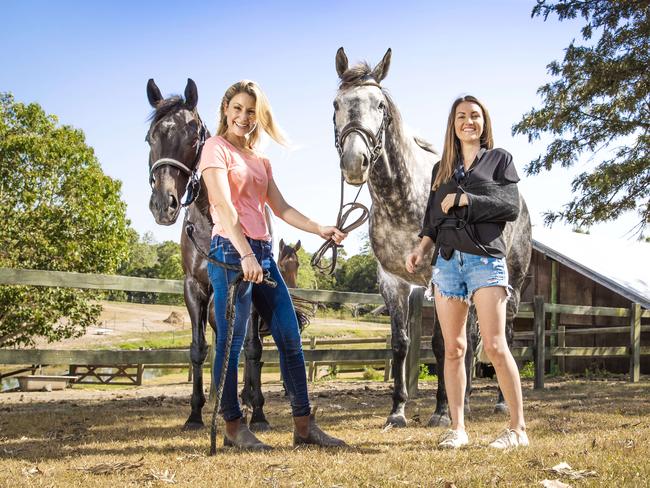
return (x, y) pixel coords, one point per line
(169, 267)
(58, 211)
(598, 105)
(142, 261)
(306, 274)
(359, 274)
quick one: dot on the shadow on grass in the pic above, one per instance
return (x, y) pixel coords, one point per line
(138, 426)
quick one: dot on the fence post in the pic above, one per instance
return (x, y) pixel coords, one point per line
(415, 333)
(561, 339)
(312, 364)
(139, 374)
(554, 315)
(635, 342)
(388, 364)
(540, 325)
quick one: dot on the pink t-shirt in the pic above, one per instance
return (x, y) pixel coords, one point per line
(248, 176)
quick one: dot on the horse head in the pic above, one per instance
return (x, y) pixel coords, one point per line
(288, 263)
(175, 138)
(362, 112)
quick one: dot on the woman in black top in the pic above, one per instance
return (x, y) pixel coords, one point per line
(473, 194)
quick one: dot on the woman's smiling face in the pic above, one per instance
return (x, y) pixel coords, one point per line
(469, 122)
(240, 115)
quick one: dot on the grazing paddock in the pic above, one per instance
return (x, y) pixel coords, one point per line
(131, 437)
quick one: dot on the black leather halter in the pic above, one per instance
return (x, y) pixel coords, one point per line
(193, 186)
(374, 142)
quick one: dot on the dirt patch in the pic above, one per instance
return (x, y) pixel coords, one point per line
(119, 319)
(175, 318)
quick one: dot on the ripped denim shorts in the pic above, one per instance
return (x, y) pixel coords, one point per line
(464, 273)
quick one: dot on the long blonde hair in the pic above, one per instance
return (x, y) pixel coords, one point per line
(452, 149)
(263, 114)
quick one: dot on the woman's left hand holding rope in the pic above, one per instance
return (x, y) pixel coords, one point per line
(331, 232)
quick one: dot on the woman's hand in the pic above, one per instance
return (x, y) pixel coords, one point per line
(331, 232)
(448, 202)
(251, 269)
(414, 260)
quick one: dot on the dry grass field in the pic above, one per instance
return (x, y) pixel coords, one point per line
(132, 437)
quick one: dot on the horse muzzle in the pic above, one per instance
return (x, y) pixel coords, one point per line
(164, 207)
(355, 167)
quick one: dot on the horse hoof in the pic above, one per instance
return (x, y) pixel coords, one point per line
(439, 420)
(501, 408)
(259, 426)
(193, 425)
(395, 421)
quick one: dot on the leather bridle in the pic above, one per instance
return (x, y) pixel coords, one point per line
(375, 145)
(374, 142)
(193, 186)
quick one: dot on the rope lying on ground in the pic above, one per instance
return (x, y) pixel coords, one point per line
(233, 289)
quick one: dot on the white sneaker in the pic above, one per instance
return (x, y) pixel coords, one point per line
(453, 439)
(509, 439)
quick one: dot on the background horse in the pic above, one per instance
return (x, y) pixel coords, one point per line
(288, 263)
(374, 147)
(176, 137)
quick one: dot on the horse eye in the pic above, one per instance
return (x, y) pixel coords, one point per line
(336, 105)
(381, 105)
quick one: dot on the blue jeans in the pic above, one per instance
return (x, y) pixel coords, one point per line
(464, 273)
(274, 306)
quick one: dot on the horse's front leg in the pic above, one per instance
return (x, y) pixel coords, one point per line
(197, 297)
(396, 295)
(251, 394)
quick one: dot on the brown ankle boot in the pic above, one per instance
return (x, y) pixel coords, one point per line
(245, 440)
(316, 437)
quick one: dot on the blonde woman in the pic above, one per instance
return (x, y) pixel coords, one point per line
(240, 182)
(473, 194)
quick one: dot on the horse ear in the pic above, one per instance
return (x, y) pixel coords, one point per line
(297, 246)
(191, 94)
(341, 62)
(281, 245)
(153, 93)
(381, 70)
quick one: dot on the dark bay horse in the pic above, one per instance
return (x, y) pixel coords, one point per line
(288, 263)
(176, 137)
(375, 148)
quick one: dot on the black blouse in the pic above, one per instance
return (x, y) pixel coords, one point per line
(490, 184)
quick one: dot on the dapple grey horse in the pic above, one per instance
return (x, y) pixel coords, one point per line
(375, 148)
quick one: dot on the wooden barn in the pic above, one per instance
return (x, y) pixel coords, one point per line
(580, 269)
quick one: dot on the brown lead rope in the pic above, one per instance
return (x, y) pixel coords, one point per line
(340, 224)
(233, 289)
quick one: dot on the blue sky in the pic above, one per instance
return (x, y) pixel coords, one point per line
(88, 63)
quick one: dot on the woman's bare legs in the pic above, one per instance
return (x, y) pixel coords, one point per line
(490, 305)
(452, 313)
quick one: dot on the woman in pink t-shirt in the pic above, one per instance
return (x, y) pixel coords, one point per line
(239, 183)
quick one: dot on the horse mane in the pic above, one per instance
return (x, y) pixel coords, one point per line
(165, 107)
(357, 75)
